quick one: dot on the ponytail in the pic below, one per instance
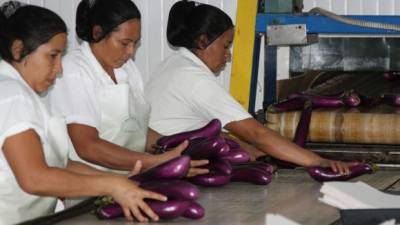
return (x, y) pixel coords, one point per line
(188, 20)
(177, 26)
(33, 25)
(82, 28)
(108, 14)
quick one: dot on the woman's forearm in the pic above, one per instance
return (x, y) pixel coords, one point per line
(152, 137)
(271, 143)
(90, 147)
(112, 156)
(81, 168)
(63, 183)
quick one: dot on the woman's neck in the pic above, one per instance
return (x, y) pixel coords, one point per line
(98, 54)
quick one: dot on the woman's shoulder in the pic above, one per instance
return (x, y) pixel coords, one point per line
(76, 66)
(11, 89)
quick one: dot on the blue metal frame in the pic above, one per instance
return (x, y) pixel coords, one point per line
(324, 25)
(315, 24)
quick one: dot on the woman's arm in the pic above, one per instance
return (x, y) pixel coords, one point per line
(81, 168)
(273, 144)
(25, 157)
(253, 151)
(152, 137)
(92, 148)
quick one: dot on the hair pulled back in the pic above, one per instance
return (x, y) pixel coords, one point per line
(188, 20)
(108, 14)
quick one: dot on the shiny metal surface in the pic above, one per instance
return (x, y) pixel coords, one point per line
(292, 193)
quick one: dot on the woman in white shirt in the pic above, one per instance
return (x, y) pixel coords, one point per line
(34, 164)
(184, 93)
(101, 90)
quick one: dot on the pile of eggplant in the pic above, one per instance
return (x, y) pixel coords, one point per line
(227, 161)
(306, 102)
(164, 179)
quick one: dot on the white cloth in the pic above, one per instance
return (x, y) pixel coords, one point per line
(184, 95)
(356, 195)
(22, 109)
(85, 94)
(277, 219)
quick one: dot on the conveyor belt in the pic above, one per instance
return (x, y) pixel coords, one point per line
(378, 124)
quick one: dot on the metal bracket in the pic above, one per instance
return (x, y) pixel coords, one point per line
(291, 34)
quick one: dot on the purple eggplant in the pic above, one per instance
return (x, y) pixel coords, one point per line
(317, 100)
(194, 211)
(251, 175)
(236, 156)
(352, 100)
(220, 165)
(173, 169)
(212, 179)
(301, 134)
(303, 126)
(213, 128)
(288, 104)
(349, 98)
(213, 147)
(232, 144)
(268, 168)
(391, 99)
(391, 75)
(327, 174)
(170, 209)
(173, 189)
(264, 167)
(165, 210)
(110, 211)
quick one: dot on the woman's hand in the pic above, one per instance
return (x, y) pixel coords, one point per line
(195, 165)
(336, 166)
(130, 197)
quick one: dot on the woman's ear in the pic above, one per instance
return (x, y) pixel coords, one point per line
(17, 48)
(97, 32)
(202, 42)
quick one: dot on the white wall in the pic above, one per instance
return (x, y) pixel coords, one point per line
(154, 47)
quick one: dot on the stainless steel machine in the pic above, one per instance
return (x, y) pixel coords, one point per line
(329, 54)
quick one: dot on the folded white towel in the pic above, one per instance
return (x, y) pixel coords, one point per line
(356, 195)
(277, 219)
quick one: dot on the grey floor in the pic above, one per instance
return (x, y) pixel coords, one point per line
(292, 193)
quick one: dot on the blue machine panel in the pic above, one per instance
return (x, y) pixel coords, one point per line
(324, 25)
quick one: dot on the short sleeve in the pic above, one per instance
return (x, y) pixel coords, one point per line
(18, 114)
(211, 100)
(72, 97)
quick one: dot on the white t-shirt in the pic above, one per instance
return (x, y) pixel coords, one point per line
(75, 95)
(20, 110)
(184, 95)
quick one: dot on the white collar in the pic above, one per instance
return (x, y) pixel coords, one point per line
(188, 54)
(6, 69)
(99, 70)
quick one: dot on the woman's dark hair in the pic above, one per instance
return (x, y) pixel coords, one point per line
(189, 20)
(33, 25)
(107, 14)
